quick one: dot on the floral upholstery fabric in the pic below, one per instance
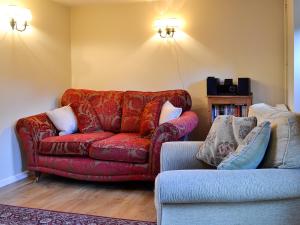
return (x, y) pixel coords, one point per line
(226, 133)
(91, 167)
(31, 131)
(141, 164)
(173, 130)
(135, 101)
(72, 144)
(124, 147)
(87, 119)
(76, 95)
(150, 117)
(107, 105)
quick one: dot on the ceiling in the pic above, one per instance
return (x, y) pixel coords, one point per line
(85, 2)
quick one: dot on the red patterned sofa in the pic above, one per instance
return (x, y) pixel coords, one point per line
(118, 153)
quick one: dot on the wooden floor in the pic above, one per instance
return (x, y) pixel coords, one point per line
(133, 200)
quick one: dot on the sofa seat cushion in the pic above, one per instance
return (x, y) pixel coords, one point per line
(73, 144)
(123, 147)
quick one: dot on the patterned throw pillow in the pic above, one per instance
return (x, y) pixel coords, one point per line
(226, 133)
(242, 127)
(150, 118)
(251, 151)
(86, 117)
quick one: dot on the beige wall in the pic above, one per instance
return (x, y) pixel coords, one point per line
(34, 71)
(114, 46)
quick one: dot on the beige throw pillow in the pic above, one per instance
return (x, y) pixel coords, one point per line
(284, 147)
(226, 133)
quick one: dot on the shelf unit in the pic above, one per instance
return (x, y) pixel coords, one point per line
(228, 105)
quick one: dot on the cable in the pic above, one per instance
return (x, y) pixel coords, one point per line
(180, 73)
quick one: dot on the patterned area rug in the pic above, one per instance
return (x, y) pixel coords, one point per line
(13, 215)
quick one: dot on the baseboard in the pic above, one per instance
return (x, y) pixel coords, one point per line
(13, 179)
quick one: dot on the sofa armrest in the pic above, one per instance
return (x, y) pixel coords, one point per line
(217, 186)
(31, 130)
(180, 156)
(173, 130)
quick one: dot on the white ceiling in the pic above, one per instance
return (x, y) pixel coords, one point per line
(85, 2)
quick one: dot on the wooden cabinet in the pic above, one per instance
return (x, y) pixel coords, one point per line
(228, 105)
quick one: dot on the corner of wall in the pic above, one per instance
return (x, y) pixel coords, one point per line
(289, 53)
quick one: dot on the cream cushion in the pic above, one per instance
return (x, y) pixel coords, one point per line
(64, 120)
(284, 146)
(169, 112)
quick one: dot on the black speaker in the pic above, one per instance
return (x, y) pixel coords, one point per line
(212, 85)
(232, 89)
(244, 86)
(228, 82)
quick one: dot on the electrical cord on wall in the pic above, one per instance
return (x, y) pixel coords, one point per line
(179, 70)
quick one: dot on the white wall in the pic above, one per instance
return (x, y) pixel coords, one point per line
(114, 46)
(34, 72)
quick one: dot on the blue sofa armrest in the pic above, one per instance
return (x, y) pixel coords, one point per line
(180, 155)
(204, 186)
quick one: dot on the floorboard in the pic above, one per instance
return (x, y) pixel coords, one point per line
(130, 200)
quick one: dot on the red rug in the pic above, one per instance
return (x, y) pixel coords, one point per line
(13, 215)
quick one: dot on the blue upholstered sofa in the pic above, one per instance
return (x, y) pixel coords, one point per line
(188, 193)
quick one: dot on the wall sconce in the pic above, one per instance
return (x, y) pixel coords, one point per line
(167, 27)
(18, 17)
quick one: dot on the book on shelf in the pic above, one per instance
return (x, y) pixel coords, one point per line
(235, 110)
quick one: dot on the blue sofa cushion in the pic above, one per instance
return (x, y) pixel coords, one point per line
(251, 151)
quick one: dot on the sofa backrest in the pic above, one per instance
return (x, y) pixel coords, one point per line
(135, 101)
(107, 104)
(121, 111)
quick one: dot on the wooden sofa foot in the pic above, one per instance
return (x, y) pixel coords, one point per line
(37, 175)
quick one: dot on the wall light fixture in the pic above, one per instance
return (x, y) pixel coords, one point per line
(167, 27)
(18, 17)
